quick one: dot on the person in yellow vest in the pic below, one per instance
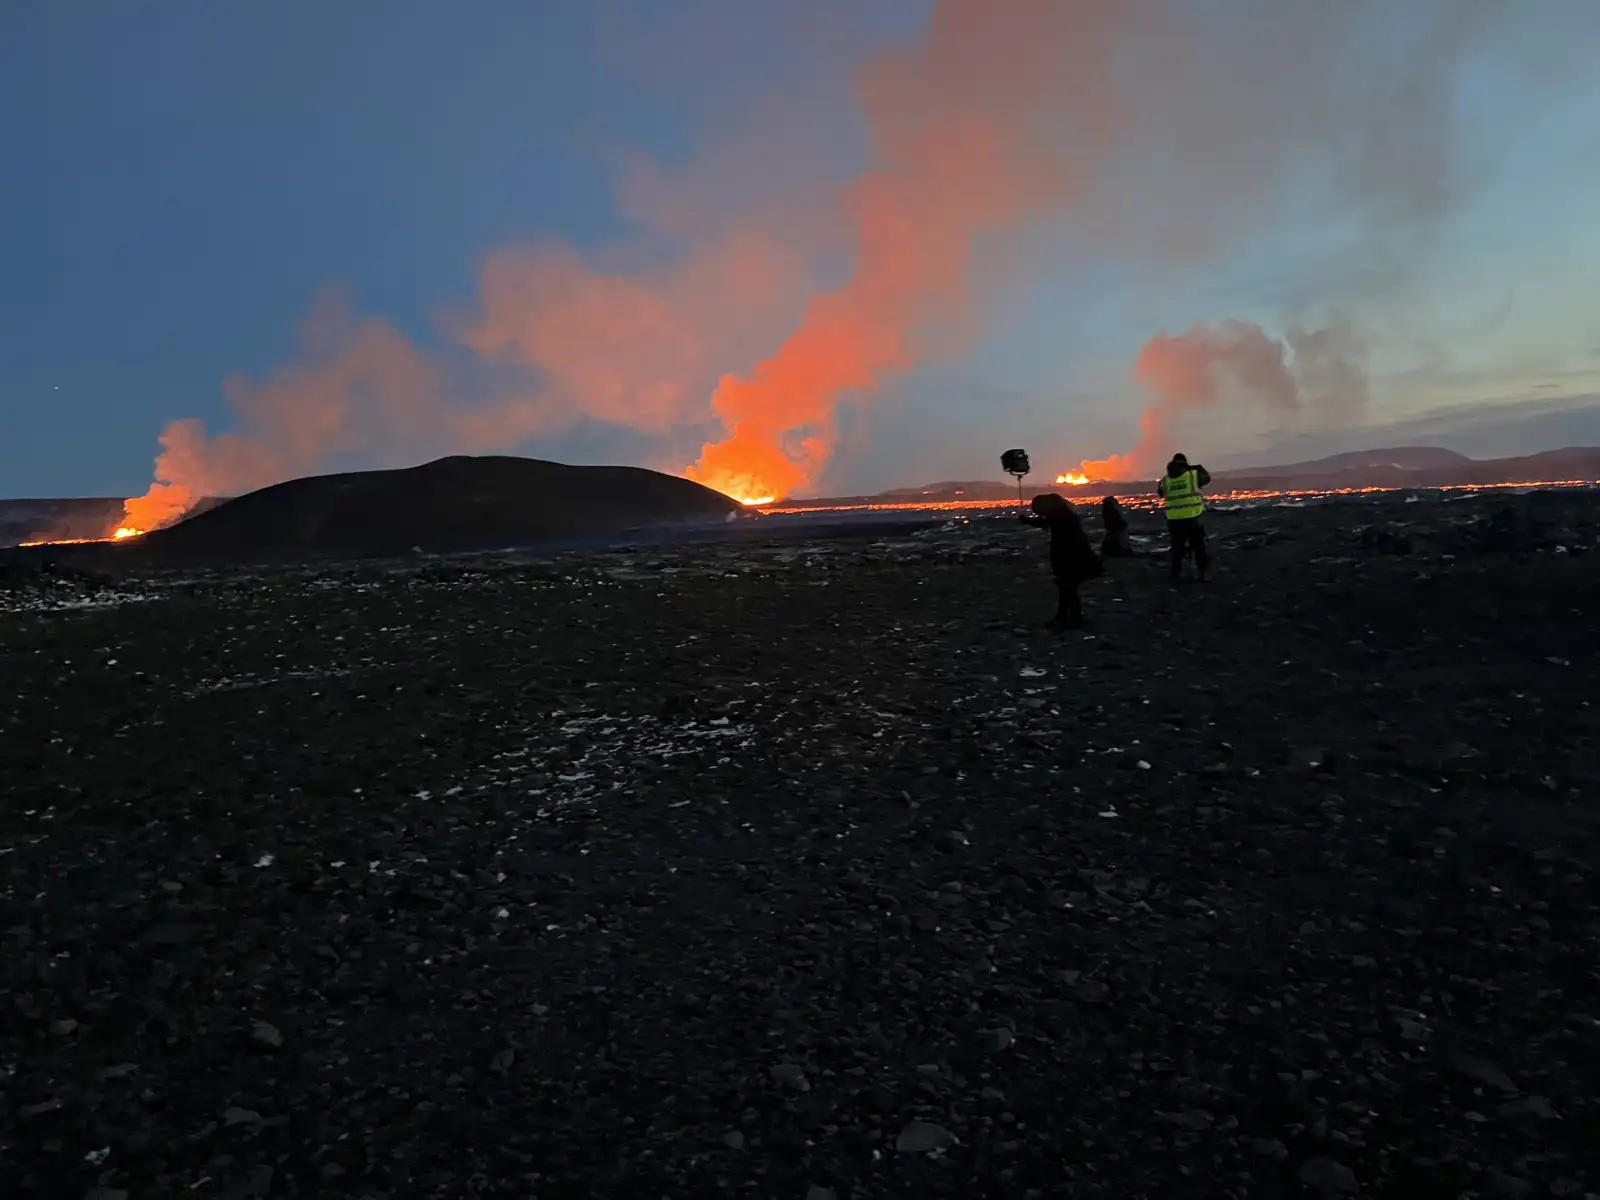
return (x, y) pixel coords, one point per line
(1180, 489)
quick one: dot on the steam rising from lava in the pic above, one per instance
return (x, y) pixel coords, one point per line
(1316, 375)
(1000, 116)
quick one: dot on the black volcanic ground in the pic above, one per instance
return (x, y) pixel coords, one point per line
(811, 869)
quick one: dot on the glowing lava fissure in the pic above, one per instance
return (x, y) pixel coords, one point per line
(121, 534)
(1072, 478)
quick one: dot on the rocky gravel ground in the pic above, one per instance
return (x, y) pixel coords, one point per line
(810, 870)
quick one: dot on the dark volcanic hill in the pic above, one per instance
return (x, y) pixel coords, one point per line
(451, 504)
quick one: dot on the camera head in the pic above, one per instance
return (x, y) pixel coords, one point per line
(1015, 462)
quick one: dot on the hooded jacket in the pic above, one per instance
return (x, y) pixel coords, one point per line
(1072, 558)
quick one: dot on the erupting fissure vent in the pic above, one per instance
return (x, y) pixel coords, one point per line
(120, 534)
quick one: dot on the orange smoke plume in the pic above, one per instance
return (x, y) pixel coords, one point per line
(357, 385)
(624, 348)
(996, 116)
(1193, 371)
(969, 134)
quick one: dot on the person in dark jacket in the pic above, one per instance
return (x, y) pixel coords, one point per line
(1072, 559)
(1179, 489)
(1115, 543)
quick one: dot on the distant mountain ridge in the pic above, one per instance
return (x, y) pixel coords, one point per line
(1392, 467)
(1400, 458)
(1417, 467)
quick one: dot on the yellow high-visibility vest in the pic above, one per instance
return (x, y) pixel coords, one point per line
(1183, 496)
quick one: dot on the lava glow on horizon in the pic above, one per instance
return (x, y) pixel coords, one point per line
(1152, 502)
(1072, 477)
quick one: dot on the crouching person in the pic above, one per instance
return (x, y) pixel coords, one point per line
(1072, 559)
(1115, 543)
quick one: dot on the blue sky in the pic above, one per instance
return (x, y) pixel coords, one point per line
(180, 180)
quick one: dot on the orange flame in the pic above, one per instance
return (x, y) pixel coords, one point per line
(1072, 477)
(962, 129)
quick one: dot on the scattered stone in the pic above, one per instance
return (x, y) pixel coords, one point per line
(923, 1137)
(998, 1039)
(255, 1184)
(790, 1075)
(1328, 1176)
(1530, 1106)
(1483, 1071)
(265, 1033)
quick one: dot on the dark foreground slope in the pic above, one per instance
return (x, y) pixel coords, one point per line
(817, 870)
(452, 504)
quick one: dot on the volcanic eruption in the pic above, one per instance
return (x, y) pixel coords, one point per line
(120, 534)
(996, 118)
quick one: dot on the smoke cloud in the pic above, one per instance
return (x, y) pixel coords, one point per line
(357, 385)
(1313, 377)
(638, 349)
(988, 122)
(1159, 131)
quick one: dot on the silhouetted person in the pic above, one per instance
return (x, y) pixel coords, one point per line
(1072, 558)
(1115, 543)
(1180, 489)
